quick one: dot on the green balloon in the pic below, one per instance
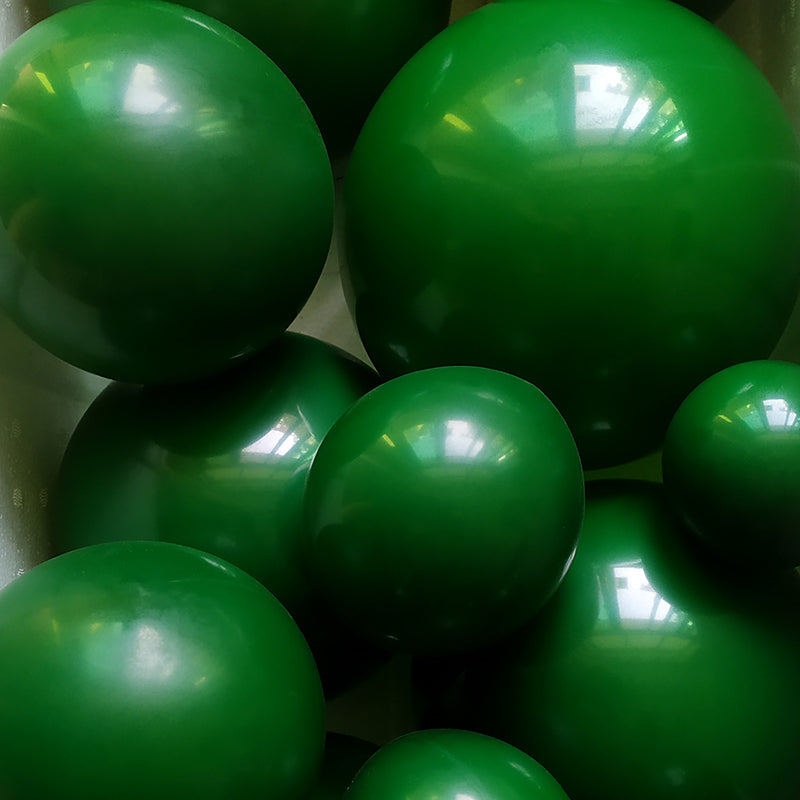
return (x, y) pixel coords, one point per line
(344, 757)
(145, 669)
(166, 200)
(443, 509)
(220, 465)
(710, 9)
(732, 462)
(452, 765)
(652, 673)
(572, 191)
(339, 54)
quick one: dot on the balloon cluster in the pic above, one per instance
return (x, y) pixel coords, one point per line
(570, 240)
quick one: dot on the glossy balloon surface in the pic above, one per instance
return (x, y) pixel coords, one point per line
(146, 669)
(651, 673)
(732, 462)
(165, 196)
(340, 54)
(452, 765)
(710, 9)
(344, 757)
(218, 465)
(572, 191)
(443, 508)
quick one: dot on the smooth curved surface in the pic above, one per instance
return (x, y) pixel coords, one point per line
(443, 509)
(145, 669)
(165, 196)
(732, 462)
(339, 54)
(452, 765)
(601, 197)
(660, 673)
(220, 465)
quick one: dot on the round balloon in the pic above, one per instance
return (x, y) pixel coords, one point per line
(340, 54)
(443, 509)
(652, 673)
(166, 200)
(146, 669)
(219, 465)
(452, 765)
(570, 191)
(710, 9)
(732, 462)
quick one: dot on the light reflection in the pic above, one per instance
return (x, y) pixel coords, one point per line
(150, 659)
(457, 441)
(288, 438)
(457, 122)
(142, 95)
(629, 602)
(773, 415)
(620, 102)
(44, 80)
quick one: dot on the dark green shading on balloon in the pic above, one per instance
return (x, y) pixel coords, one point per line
(146, 669)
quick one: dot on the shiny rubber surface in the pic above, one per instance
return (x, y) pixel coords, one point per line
(452, 765)
(344, 757)
(570, 190)
(339, 54)
(165, 196)
(220, 465)
(710, 9)
(651, 673)
(732, 462)
(443, 509)
(146, 669)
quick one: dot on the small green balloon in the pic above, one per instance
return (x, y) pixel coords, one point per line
(653, 672)
(166, 200)
(452, 765)
(443, 509)
(146, 669)
(732, 462)
(220, 465)
(572, 191)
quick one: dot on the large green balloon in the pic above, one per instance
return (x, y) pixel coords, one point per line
(601, 197)
(452, 765)
(732, 462)
(218, 465)
(165, 196)
(443, 509)
(340, 54)
(651, 673)
(146, 669)
(710, 9)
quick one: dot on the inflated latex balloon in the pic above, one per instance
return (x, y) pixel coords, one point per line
(710, 9)
(218, 465)
(732, 462)
(650, 673)
(165, 195)
(145, 669)
(340, 54)
(443, 509)
(344, 757)
(601, 197)
(452, 765)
